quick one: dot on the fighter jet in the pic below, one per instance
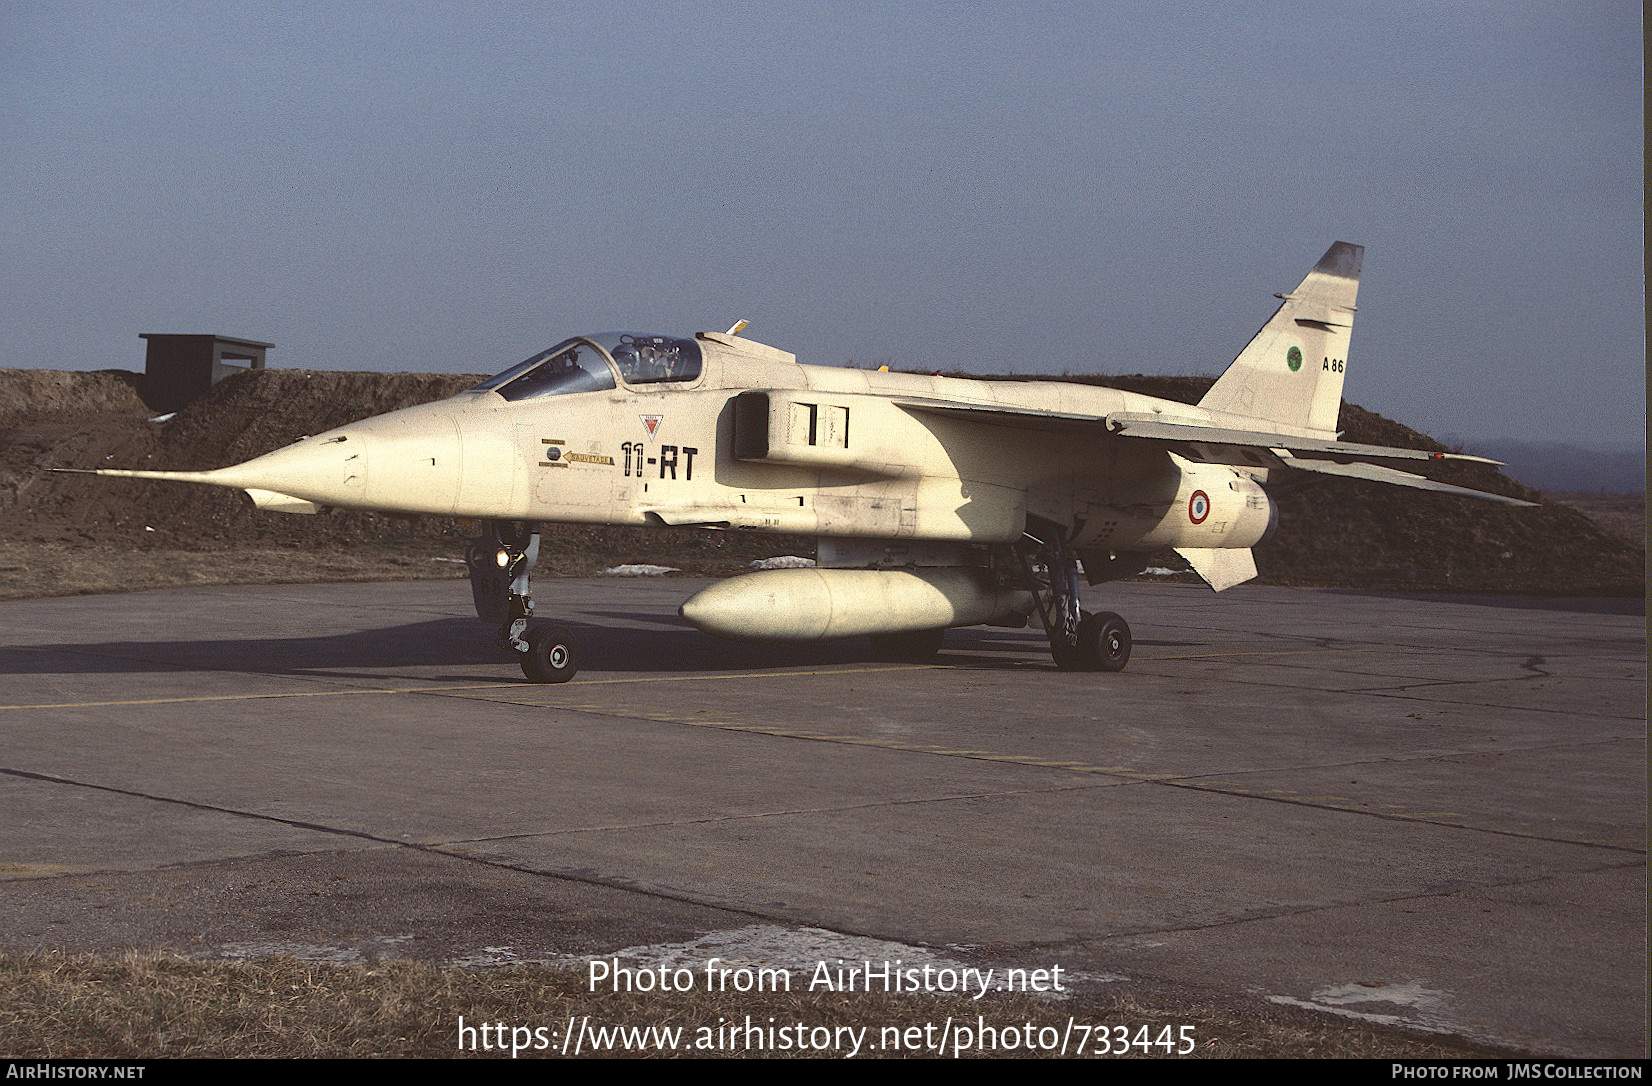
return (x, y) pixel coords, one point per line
(937, 501)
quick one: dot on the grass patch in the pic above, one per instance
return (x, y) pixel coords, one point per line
(150, 1005)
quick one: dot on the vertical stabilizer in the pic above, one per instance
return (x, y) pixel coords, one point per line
(1292, 371)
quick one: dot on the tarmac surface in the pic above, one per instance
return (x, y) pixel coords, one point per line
(1429, 812)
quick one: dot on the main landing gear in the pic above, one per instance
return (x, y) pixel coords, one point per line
(1079, 640)
(501, 561)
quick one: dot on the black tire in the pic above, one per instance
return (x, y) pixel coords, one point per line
(1069, 657)
(1104, 642)
(552, 656)
(912, 646)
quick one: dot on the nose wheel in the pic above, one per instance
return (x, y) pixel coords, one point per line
(501, 561)
(551, 656)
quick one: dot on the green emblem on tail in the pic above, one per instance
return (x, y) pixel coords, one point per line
(1293, 358)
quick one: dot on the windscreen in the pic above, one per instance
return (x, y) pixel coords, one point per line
(583, 365)
(574, 365)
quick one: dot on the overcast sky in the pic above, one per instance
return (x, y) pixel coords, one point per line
(1044, 188)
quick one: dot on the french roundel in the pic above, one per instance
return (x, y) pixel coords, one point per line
(1198, 507)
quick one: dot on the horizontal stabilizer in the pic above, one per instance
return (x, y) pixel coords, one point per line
(1378, 474)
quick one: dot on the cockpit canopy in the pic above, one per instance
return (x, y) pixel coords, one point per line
(589, 364)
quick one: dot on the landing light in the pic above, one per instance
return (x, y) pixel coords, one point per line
(503, 558)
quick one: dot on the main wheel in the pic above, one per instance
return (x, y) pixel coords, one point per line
(910, 645)
(552, 656)
(1069, 657)
(1104, 642)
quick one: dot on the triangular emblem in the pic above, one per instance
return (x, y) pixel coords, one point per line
(651, 423)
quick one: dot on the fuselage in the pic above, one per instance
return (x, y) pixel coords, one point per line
(745, 437)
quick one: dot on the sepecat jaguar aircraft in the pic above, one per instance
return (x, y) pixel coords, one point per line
(937, 501)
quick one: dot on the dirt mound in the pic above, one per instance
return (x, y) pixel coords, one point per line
(243, 416)
(35, 395)
(1331, 531)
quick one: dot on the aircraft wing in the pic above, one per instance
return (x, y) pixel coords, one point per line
(1203, 442)
(1157, 428)
(1004, 415)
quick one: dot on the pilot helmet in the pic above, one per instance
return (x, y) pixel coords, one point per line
(625, 355)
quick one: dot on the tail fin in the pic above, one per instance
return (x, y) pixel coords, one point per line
(1291, 373)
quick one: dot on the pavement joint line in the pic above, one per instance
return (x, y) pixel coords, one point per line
(1439, 818)
(1402, 694)
(755, 816)
(1443, 819)
(464, 689)
(49, 778)
(676, 677)
(1446, 704)
(451, 852)
(1423, 755)
(1336, 906)
(274, 694)
(841, 740)
(437, 846)
(454, 850)
(1281, 652)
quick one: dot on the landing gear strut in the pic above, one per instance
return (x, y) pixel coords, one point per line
(501, 561)
(1079, 640)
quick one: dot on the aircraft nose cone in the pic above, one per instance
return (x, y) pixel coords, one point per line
(394, 465)
(330, 469)
(416, 464)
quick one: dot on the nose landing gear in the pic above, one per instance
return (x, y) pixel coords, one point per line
(501, 562)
